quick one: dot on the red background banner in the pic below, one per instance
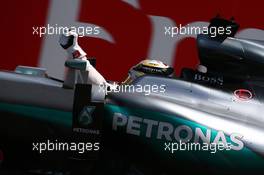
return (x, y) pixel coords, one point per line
(130, 27)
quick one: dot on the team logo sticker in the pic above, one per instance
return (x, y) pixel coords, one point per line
(85, 117)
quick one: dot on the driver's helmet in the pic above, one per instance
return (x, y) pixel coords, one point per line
(149, 67)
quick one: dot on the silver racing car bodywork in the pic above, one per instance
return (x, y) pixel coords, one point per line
(212, 108)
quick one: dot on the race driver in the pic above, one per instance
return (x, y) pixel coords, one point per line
(69, 42)
(148, 67)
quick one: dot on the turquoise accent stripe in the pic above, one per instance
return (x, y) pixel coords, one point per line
(39, 113)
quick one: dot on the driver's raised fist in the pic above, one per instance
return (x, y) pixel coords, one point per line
(69, 42)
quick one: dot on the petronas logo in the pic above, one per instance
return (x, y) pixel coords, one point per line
(85, 117)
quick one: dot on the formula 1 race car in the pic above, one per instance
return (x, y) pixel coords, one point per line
(210, 120)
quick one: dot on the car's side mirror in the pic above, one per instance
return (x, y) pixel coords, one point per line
(77, 72)
(77, 64)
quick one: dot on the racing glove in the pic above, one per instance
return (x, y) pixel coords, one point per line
(69, 42)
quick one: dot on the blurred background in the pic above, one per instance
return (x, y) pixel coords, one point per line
(130, 30)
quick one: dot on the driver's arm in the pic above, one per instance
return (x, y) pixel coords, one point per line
(69, 42)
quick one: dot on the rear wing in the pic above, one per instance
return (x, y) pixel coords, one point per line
(221, 22)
